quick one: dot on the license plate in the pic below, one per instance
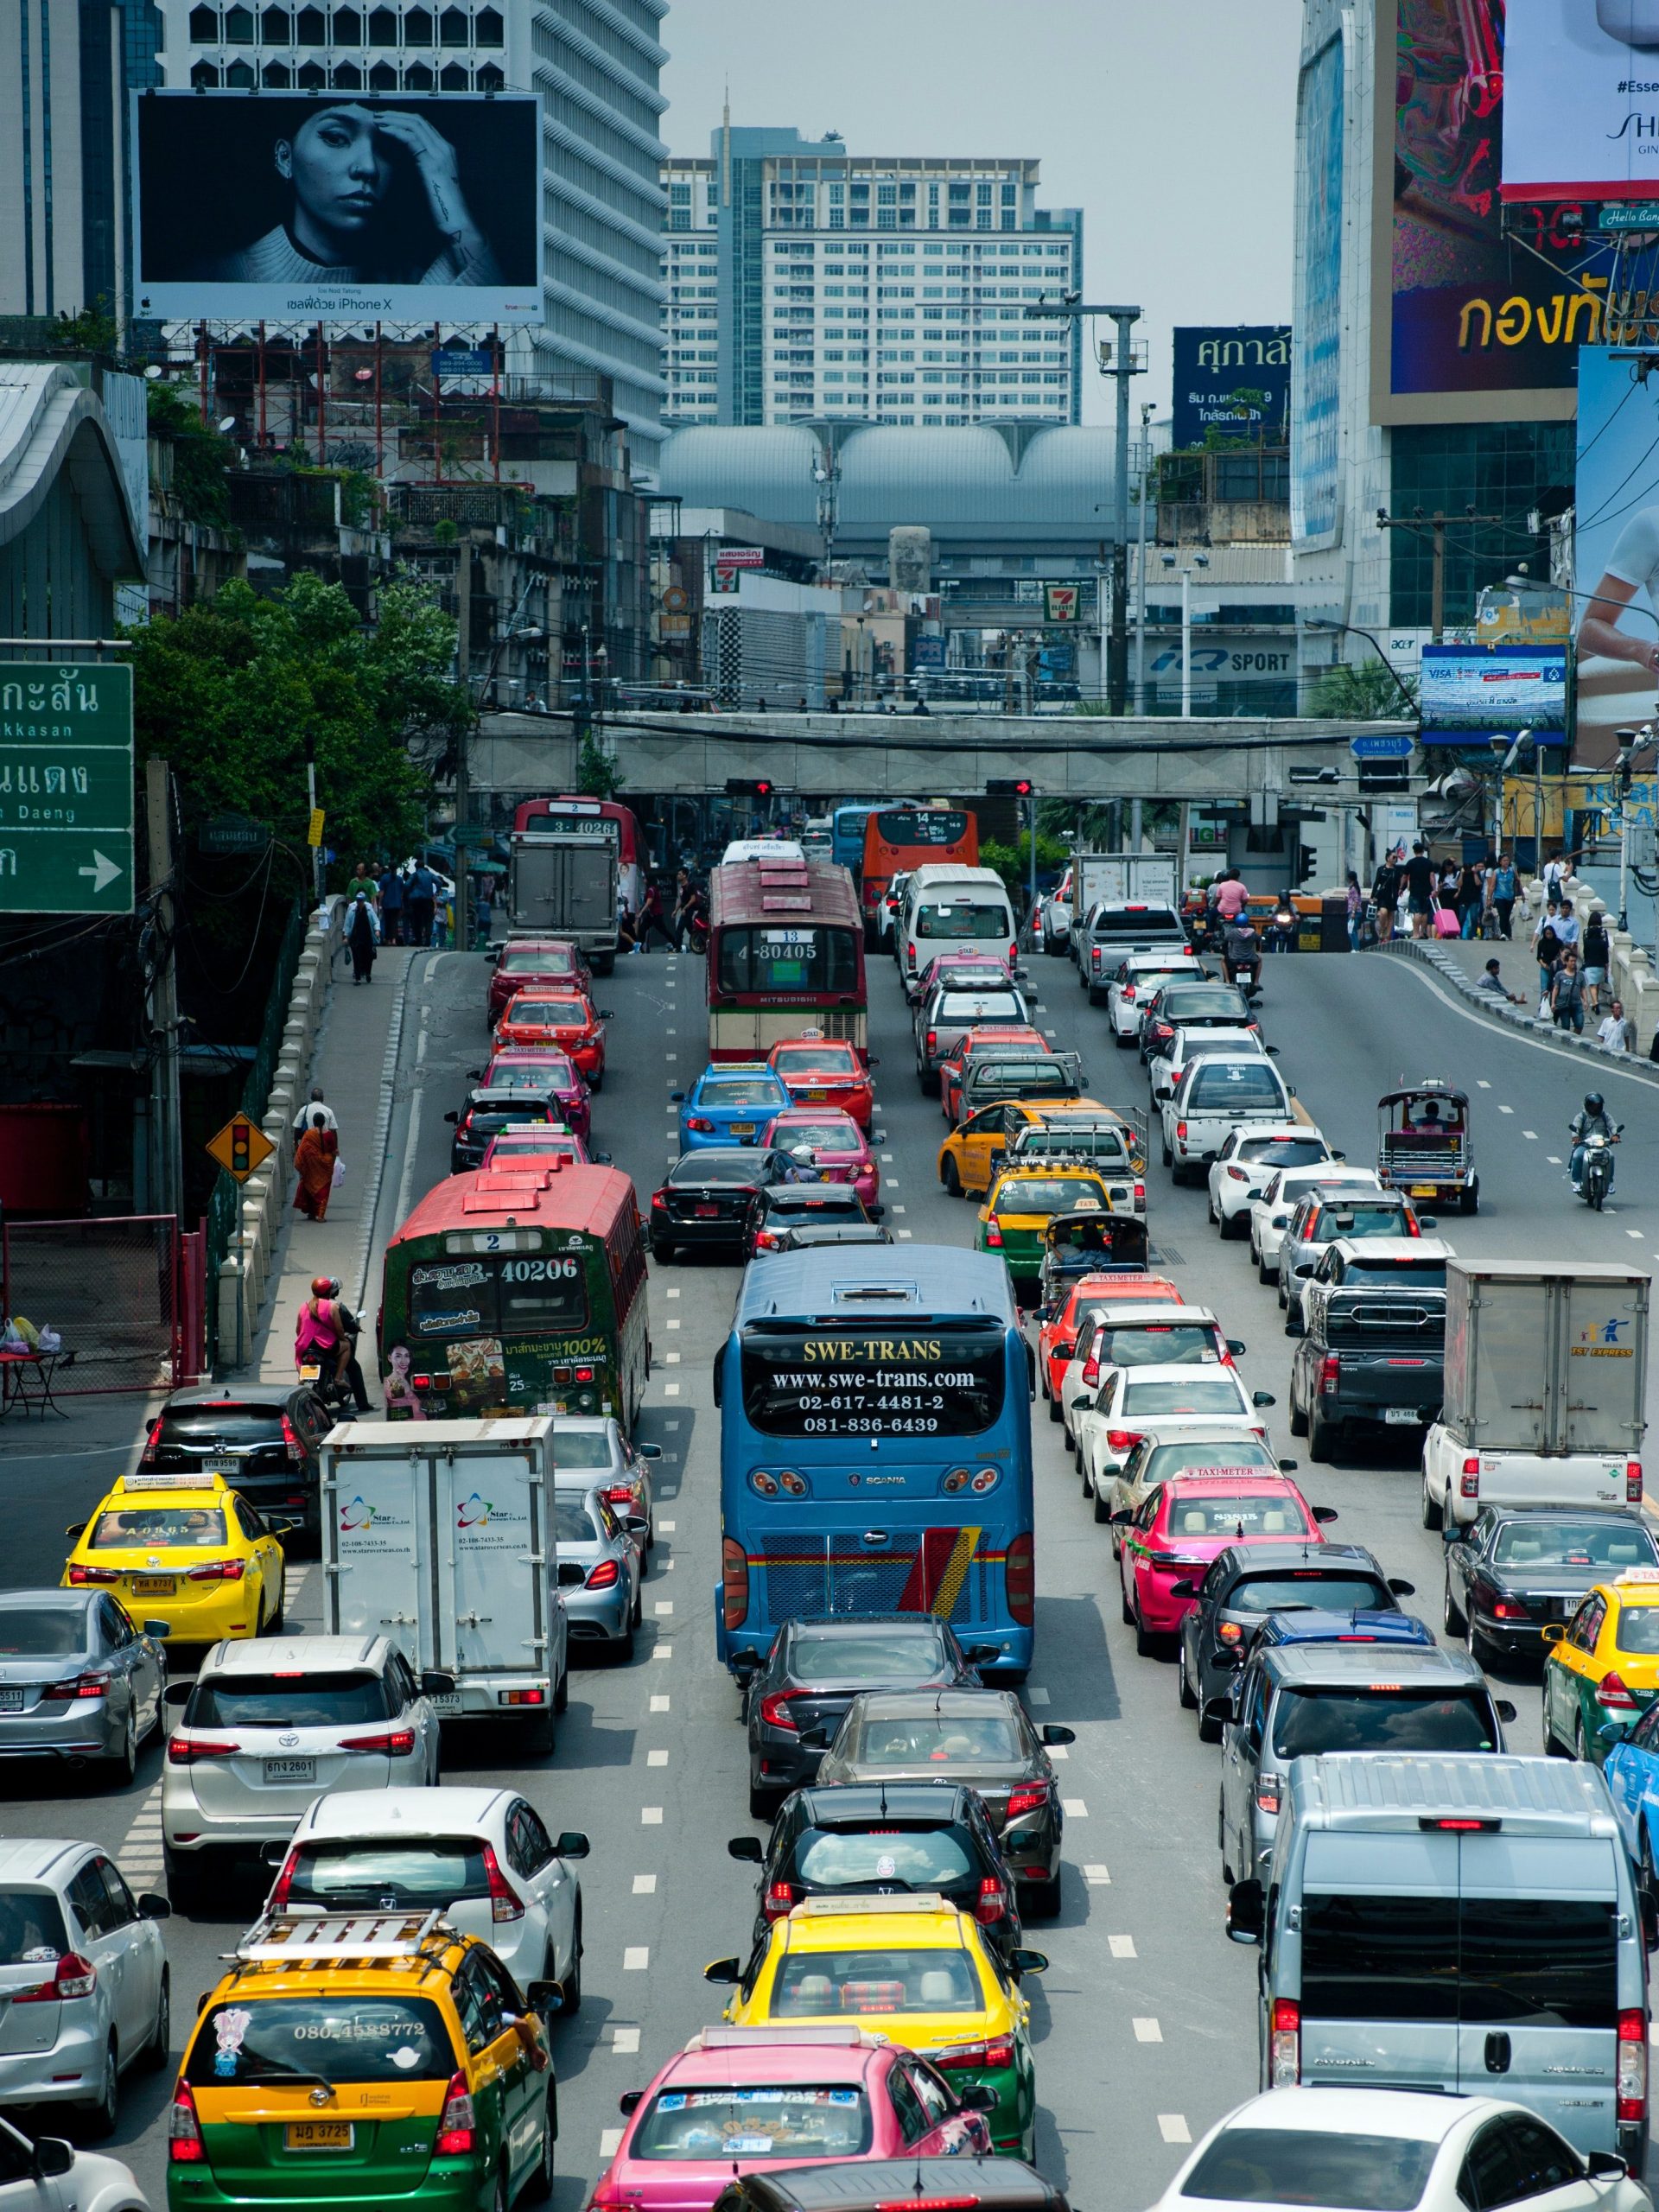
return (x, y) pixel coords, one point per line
(447, 1703)
(309, 1374)
(1398, 1416)
(815, 1094)
(707, 1213)
(290, 1770)
(742, 1129)
(11, 1700)
(1425, 1189)
(319, 2135)
(220, 1467)
(154, 1586)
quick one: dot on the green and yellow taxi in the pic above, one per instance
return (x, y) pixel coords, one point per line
(917, 1970)
(1023, 1201)
(970, 1155)
(364, 2057)
(185, 1546)
(1601, 1665)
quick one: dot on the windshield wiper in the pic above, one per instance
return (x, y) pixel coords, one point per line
(294, 2074)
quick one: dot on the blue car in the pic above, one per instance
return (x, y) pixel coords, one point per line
(730, 1102)
(1631, 1768)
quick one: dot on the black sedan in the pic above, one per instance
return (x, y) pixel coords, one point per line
(704, 1204)
(782, 1206)
(1184, 1005)
(264, 1438)
(1515, 1569)
(1246, 1583)
(817, 1665)
(980, 1737)
(884, 1842)
(814, 1235)
(488, 1111)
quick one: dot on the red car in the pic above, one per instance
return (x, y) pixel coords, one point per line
(821, 1071)
(556, 1073)
(534, 962)
(510, 1148)
(1171, 1537)
(567, 1022)
(989, 1044)
(959, 972)
(838, 1147)
(1056, 1337)
(738, 2100)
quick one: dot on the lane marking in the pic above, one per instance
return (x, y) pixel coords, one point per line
(662, 1652)
(665, 1528)
(1482, 1084)
(1533, 1134)
(903, 1234)
(671, 1425)
(886, 1155)
(1506, 1109)
(1634, 1232)
(1122, 1947)
(651, 1816)
(674, 1321)
(645, 1886)
(1537, 1044)
(662, 1608)
(1096, 1876)
(656, 1758)
(1058, 1751)
(899, 1209)
(1037, 1696)
(624, 2041)
(610, 2142)
(636, 1958)
(1148, 2031)
(660, 1704)
(1173, 2126)
(1074, 1808)
(671, 1358)
(673, 1294)
(670, 1389)
(1553, 1157)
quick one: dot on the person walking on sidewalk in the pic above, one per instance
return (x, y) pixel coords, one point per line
(391, 905)
(1567, 996)
(1505, 890)
(315, 1105)
(1617, 1031)
(360, 940)
(421, 900)
(364, 884)
(314, 1162)
(1596, 954)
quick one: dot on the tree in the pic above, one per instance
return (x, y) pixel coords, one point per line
(599, 774)
(1364, 691)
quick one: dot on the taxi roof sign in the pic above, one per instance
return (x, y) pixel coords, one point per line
(826, 1907)
(1637, 1576)
(335, 1935)
(182, 1479)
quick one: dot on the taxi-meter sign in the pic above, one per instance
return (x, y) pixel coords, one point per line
(240, 1147)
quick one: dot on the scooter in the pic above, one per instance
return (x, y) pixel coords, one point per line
(331, 1394)
(1597, 1180)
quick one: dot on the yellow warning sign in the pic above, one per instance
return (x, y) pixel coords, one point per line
(240, 1147)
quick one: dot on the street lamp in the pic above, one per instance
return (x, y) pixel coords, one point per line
(1199, 561)
(1353, 630)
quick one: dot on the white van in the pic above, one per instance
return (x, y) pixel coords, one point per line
(951, 908)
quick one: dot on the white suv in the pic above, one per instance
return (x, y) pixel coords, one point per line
(268, 1724)
(482, 1855)
(1248, 1162)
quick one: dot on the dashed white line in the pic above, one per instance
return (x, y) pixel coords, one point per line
(1037, 1696)
(898, 1209)
(610, 2142)
(1533, 1134)
(671, 1358)
(886, 1155)
(1173, 2126)
(662, 1652)
(1633, 1232)
(903, 1234)
(665, 1528)
(636, 1958)
(1553, 1157)
(656, 1758)
(662, 1608)
(671, 1425)
(1148, 2031)
(1122, 1947)
(645, 1886)
(651, 1816)
(1058, 1751)
(1481, 1084)
(1096, 1876)
(1506, 1109)
(673, 1321)
(670, 1389)
(660, 1704)
(674, 1292)
(1074, 1808)
(624, 2041)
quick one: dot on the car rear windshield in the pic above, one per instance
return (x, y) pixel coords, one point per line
(877, 1657)
(1234, 1086)
(1243, 1514)
(435, 1871)
(1574, 1543)
(1381, 1719)
(31, 1927)
(1283, 1152)
(1421, 1275)
(1300, 1588)
(1140, 921)
(220, 1424)
(548, 1014)
(301, 1700)
(1638, 1629)
(1240, 1455)
(1050, 1194)
(344, 2039)
(1344, 1220)
(1159, 1344)
(712, 1167)
(1488, 1963)
(934, 1739)
(168, 1528)
(581, 1447)
(1204, 1393)
(1187, 1002)
(41, 1631)
(812, 1983)
(1048, 1138)
(755, 2122)
(818, 1059)
(979, 1007)
(834, 1135)
(1304, 2165)
(963, 922)
(547, 1071)
(743, 1091)
(552, 960)
(922, 1858)
(575, 1521)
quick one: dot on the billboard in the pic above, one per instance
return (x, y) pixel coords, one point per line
(1468, 695)
(1315, 441)
(1470, 323)
(1615, 553)
(1234, 381)
(1581, 100)
(411, 208)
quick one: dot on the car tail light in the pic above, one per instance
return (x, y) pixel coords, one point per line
(705, 1128)
(1020, 1578)
(975, 2057)
(1140, 1198)
(1503, 1611)
(183, 2134)
(1122, 1440)
(1267, 1788)
(1284, 2057)
(604, 1576)
(1632, 2086)
(391, 1743)
(218, 1570)
(1633, 1482)
(1091, 1369)
(1613, 1693)
(779, 1901)
(283, 1884)
(734, 1582)
(1469, 1481)
(910, 952)
(1094, 955)
(506, 1904)
(1239, 1174)
(455, 2122)
(933, 1039)
(619, 1494)
(77, 1685)
(993, 1901)
(994, 1235)
(73, 1976)
(1028, 1797)
(1229, 1633)
(774, 1709)
(77, 1574)
(291, 1440)
(185, 1751)
(147, 1457)
(1180, 1131)
(659, 1201)
(1329, 1373)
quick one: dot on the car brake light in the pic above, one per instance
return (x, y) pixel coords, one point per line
(604, 1576)
(994, 1235)
(1267, 1793)
(1632, 2084)
(1330, 1372)
(1140, 1194)
(218, 1570)
(779, 1900)
(77, 1574)
(1091, 1369)
(659, 1201)
(774, 1711)
(455, 2122)
(1121, 1439)
(183, 2134)
(1029, 1797)
(185, 1751)
(1239, 1174)
(1285, 2064)
(1469, 1482)
(283, 1884)
(1229, 1633)
(619, 1494)
(291, 1439)
(147, 1457)
(77, 1685)
(393, 1744)
(933, 1039)
(1180, 1131)
(506, 1904)
(1633, 1482)
(734, 1582)
(1020, 1578)
(910, 951)
(73, 1976)
(1613, 1693)
(1503, 1611)
(1094, 957)
(975, 2057)
(696, 1122)
(993, 1901)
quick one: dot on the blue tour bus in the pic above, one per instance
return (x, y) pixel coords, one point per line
(847, 834)
(875, 1447)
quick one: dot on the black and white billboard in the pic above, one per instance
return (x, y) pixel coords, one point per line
(335, 207)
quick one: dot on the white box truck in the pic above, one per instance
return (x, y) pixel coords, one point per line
(441, 1535)
(1546, 1381)
(563, 883)
(1151, 876)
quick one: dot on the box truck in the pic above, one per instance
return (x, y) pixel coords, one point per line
(563, 883)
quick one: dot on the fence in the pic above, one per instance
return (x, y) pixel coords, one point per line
(126, 1295)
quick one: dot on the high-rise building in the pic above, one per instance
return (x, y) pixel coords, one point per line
(595, 64)
(807, 282)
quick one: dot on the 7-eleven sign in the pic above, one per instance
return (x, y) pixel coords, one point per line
(1060, 602)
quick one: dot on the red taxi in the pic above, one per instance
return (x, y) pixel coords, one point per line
(526, 963)
(554, 1073)
(837, 1145)
(1084, 1301)
(533, 1144)
(822, 1071)
(1170, 1538)
(960, 971)
(567, 1020)
(1009, 1044)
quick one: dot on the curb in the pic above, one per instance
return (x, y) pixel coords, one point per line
(382, 1131)
(1502, 1015)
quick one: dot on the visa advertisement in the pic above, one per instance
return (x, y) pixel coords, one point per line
(1616, 555)
(1469, 694)
(1581, 100)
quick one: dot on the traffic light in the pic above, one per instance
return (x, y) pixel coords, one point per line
(748, 787)
(1306, 861)
(1384, 775)
(1009, 787)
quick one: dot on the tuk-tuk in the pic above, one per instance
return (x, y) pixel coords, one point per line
(1090, 1244)
(1424, 1144)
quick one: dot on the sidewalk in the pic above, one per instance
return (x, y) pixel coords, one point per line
(1460, 964)
(353, 1064)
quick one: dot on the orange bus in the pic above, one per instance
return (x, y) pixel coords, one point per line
(903, 838)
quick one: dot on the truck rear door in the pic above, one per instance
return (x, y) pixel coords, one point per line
(590, 889)
(372, 1512)
(1378, 1985)
(1602, 1326)
(493, 1564)
(536, 885)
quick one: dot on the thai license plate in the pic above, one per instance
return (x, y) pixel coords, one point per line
(742, 1129)
(219, 1467)
(290, 1770)
(1425, 1189)
(815, 1094)
(1398, 1416)
(11, 1700)
(154, 1586)
(707, 1213)
(446, 1704)
(309, 1374)
(319, 2135)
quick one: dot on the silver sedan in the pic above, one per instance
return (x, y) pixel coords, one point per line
(78, 1680)
(600, 1568)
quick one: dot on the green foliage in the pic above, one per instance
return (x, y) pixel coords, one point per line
(94, 330)
(1012, 862)
(1361, 691)
(201, 458)
(599, 774)
(231, 690)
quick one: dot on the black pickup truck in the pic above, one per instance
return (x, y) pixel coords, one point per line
(1372, 1357)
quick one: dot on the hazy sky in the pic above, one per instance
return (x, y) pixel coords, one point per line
(1170, 125)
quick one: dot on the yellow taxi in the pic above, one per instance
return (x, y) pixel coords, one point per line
(187, 1546)
(920, 1971)
(1022, 1202)
(1601, 1665)
(365, 2057)
(970, 1156)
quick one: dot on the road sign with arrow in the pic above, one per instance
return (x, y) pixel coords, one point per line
(66, 788)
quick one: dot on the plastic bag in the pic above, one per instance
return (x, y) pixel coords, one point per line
(339, 1173)
(50, 1340)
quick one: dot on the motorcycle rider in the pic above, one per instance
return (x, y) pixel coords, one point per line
(329, 1330)
(1593, 1121)
(1281, 929)
(1241, 956)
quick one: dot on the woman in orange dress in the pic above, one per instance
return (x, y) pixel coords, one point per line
(313, 1160)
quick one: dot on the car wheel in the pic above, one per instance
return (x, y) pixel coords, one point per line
(561, 1697)
(1264, 1272)
(637, 1614)
(1433, 1513)
(1123, 1598)
(571, 2001)
(763, 1803)
(951, 1177)
(1482, 1651)
(126, 1759)
(1209, 1730)
(274, 1625)
(1214, 1219)
(1040, 1900)
(1323, 1437)
(1554, 1747)
(1298, 1418)
(1146, 1643)
(1221, 1840)
(1452, 1613)
(185, 1880)
(98, 2121)
(1054, 1413)
(1102, 1504)
(1580, 1742)
(596, 1081)
(157, 2052)
(1169, 1157)
(623, 1649)
(662, 1251)
(538, 2184)
(1234, 1224)
(1182, 1686)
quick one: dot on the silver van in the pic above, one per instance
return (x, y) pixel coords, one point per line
(1469, 1926)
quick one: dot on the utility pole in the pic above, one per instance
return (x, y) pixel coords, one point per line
(464, 736)
(166, 1136)
(1146, 411)
(1434, 528)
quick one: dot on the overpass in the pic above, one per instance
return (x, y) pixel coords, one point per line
(871, 756)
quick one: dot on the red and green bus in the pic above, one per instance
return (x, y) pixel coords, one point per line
(786, 957)
(518, 1290)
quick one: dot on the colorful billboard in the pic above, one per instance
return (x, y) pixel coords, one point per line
(1315, 441)
(1233, 381)
(1581, 100)
(1616, 552)
(411, 208)
(1468, 695)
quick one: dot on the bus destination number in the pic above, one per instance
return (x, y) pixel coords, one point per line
(540, 1270)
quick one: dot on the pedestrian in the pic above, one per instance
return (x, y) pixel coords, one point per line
(1557, 869)
(421, 900)
(364, 884)
(1385, 893)
(1618, 1032)
(1596, 954)
(760, 706)
(485, 907)
(1567, 996)
(360, 939)
(1419, 889)
(1505, 889)
(650, 918)
(1547, 948)
(1469, 900)
(1356, 906)
(314, 1162)
(1493, 980)
(392, 907)
(315, 1105)
(1568, 928)
(921, 706)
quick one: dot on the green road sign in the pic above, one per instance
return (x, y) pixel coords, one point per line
(66, 788)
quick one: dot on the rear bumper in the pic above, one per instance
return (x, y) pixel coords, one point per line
(29, 2077)
(444, 2185)
(85, 1729)
(667, 1230)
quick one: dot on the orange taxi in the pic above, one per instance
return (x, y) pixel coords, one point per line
(825, 1072)
(565, 1021)
(1057, 1333)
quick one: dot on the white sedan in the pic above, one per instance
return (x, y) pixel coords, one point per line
(1138, 975)
(1127, 1332)
(1333, 2148)
(1246, 1163)
(1166, 1069)
(1165, 1401)
(1270, 1213)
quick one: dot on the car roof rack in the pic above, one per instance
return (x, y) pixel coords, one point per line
(274, 1939)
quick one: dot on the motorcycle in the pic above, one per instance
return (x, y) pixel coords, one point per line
(1596, 1181)
(331, 1394)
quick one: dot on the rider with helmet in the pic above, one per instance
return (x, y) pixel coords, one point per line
(328, 1332)
(1593, 1121)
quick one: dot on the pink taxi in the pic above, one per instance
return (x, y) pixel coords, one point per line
(838, 1146)
(1170, 1538)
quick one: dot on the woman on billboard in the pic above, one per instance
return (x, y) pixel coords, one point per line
(374, 197)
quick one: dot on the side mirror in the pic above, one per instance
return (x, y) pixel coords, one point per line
(874, 1060)
(745, 1663)
(1122, 1518)
(647, 1451)
(1304, 1267)
(982, 1654)
(815, 1739)
(1552, 1631)
(636, 1524)
(474, 1075)
(153, 1907)
(723, 1970)
(1606, 2165)
(1028, 1961)
(1237, 1347)
(630, 2102)
(157, 1628)
(572, 1844)
(1186, 1587)
(1014, 1840)
(1325, 1513)
(178, 1693)
(1401, 1587)
(1428, 1220)
(1288, 1466)
(1262, 1398)
(678, 1096)
(1062, 1347)
(571, 1577)
(1611, 1731)
(1218, 1711)
(1082, 1405)
(1505, 1709)
(74, 1528)
(544, 1997)
(1456, 1532)
(1053, 1732)
(1161, 1090)
(1339, 1156)
(452, 1115)
(273, 1855)
(749, 1848)
(602, 1158)
(1246, 1912)
(606, 1014)
(53, 2157)
(437, 1681)
(980, 2096)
